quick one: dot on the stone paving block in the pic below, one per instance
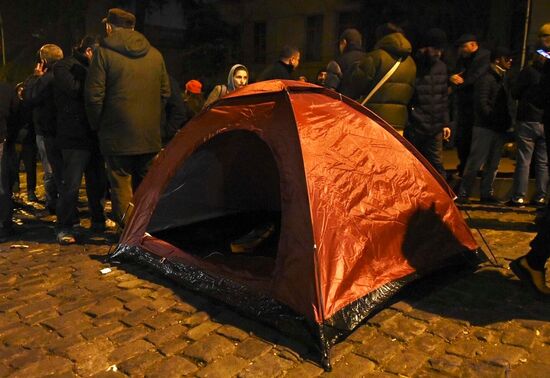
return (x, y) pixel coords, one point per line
(252, 348)
(129, 350)
(483, 370)
(351, 366)
(129, 334)
(540, 352)
(379, 349)
(137, 317)
(80, 303)
(5, 370)
(305, 370)
(161, 304)
(447, 329)
(61, 346)
(195, 319)
(531, 370)
(50, 365)
(504, 355)
(522, 337)
(467, 348)
(233, 333)
(104, 307)
(200, 331)
(173, 347)
(105, 330)
(137, 365)
(227, 366)
(25, 358)
(163, 320)
(68, 292)
(165, 335)
(427, 343)
(383, 316)
(12, 305)
(486, 335)
(363, 334)
(140, 292)
(447, 363)
(209, 348)
(41, 317)
(424, 316)
(130, 284)
(269, 365)
(69, 324)
(340, 350)
(171, 367)
(406, 363)
(91, 357)
(125, 297)
(402, 328)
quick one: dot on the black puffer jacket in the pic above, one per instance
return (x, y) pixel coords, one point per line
(491, 100)
(39, 94)
(73, 129)
(429, 109)
(352, 55)
(526, 91)
(277, 70)
(472, 68)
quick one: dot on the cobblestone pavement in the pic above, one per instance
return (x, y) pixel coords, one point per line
(59, 315)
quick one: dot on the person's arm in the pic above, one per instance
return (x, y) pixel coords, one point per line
(479, 67)
(94, 90)
(213, 96)
(361, 79)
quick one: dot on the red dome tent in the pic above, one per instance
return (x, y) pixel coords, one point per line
(358, 212)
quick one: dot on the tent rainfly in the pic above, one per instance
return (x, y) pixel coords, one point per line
(356, 212)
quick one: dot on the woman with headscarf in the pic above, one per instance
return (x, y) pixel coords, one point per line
(237, 78)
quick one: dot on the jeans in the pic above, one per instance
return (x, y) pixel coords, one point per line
(530, 140)
(6, 203)
(465, 120)
(486, 151)
(430, 146)
(125, 173)
(50, 186)
(75, 164)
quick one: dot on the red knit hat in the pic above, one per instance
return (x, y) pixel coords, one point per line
(193, 86)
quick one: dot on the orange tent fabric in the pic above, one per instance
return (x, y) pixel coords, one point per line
(361, 210)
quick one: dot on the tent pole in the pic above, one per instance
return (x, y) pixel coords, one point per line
(525, 34)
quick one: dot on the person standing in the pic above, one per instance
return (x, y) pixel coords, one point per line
(126, 88)
(391, 56)
(237, 78)
(492, 121)
(473, 62)
(289, 59)
(193, 99)
(428, 123)
(175, 114)
(8, 104)
(77, 142)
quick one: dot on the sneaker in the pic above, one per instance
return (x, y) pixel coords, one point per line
(517, 202)
(65, 238)
(538, 201)
(462, 200)
(490, 200)
(526, 274)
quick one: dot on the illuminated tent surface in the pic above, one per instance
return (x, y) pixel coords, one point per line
(358, 212)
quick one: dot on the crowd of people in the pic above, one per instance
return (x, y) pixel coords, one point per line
(105, 111)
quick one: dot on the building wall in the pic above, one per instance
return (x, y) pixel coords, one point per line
(285, 22)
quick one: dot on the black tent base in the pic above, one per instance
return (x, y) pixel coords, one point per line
(268, 310)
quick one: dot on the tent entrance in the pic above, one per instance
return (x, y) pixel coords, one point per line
(223, 204)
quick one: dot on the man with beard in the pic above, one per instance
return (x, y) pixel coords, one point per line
(473, 62)
(289, 59)
(428, 109)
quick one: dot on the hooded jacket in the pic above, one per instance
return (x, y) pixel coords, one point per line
(391, 100)
(221, 90)
(126, 87)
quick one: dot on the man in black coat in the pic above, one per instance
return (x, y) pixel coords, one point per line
(78, 143)
(175, 113)
(473, 62)
(429, 109)
(8, 103)
(351, 52)
(288, 61)
(492, 121)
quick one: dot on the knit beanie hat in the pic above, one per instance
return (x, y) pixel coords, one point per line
(544, 30)
(193, 86)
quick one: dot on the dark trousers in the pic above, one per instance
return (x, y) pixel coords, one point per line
(28, 156)
(125, 173)
(77, 163)
(464, 127)
(52, 163)
(6, 203)
(540, 245)
(430, 146)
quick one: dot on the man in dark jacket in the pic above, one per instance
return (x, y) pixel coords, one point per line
(77, 142)
(126, 88)
(492, 120)
(473, 62)
(391, 99)
(530, 268)
(530, 135)
(288, 61)
(429, 109)
(175, 113)
(8, 103)
(351, 52)
(38, 93)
